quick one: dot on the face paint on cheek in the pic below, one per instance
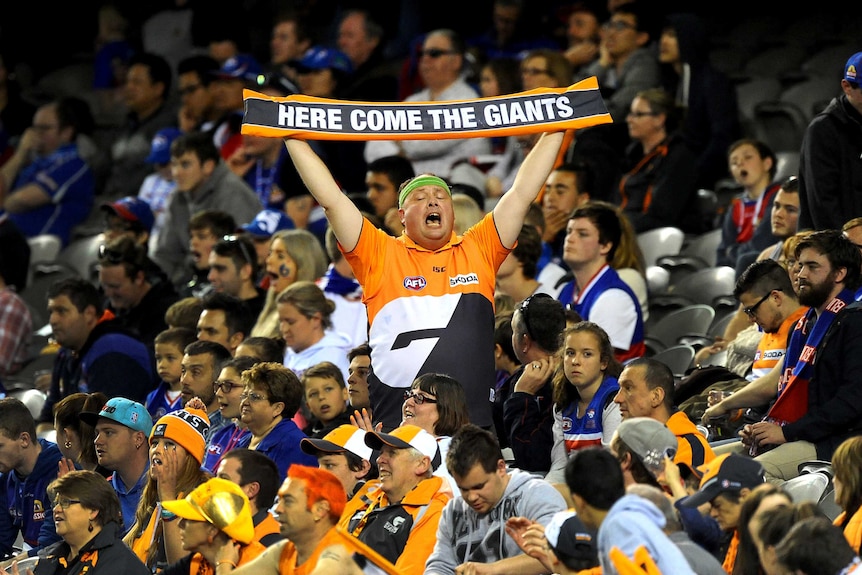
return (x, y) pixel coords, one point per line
(284, 270)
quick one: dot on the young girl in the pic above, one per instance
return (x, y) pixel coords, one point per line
(752, 164)
(585, 414)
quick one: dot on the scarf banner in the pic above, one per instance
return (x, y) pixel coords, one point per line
(540, 110)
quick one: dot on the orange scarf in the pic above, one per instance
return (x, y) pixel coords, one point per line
(732, 550)
(853, 529)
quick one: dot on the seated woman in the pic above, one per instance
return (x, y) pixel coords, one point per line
(272, 394)
(74, 437)
(658, 187)
(177, 447)
(88, 518)
(305, 322)
(214, 514)
(585, 414)
(436, 403)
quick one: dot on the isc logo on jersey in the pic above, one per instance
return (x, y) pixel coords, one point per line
(415, 283)
(463, 279)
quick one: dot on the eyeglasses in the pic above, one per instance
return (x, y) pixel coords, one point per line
(236, 240)
(251, 396)
(618, 26)
(65, 502)
(190, 89)
(436, 52)
(640, 114)
(751, 311)
(524, 308)
(533, 71)
(418, 397)
(226, 386)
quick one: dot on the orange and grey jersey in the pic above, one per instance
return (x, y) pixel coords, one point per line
(429, 311)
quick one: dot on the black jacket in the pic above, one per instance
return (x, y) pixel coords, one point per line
(104, 554)
(830, 168)
(712, 113)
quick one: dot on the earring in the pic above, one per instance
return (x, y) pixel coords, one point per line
(68, 445)
(90, 526)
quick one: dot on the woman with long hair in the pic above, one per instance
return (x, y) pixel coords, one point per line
(585, 414)
(294, 255)
(177, 447)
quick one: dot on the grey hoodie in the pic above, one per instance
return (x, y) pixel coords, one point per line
(633, 522)
(464, 535)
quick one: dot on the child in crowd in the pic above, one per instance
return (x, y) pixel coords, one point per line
(169, 345)
(753, 166)
(326, 397)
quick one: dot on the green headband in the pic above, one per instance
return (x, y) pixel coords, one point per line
(418, 182)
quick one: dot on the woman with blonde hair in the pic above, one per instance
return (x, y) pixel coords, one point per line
(294, 255)
(305, 321)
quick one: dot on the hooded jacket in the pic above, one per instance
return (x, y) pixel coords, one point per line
(712, 112)
(111, 361)
(464, 535)
(633, 522)
(25, 505)
(333, 347)
(830, 169)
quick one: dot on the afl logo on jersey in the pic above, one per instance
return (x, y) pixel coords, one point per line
(567, 424)
(415, 283)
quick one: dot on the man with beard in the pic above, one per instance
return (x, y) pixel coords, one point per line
(818, 403)
(201, 365)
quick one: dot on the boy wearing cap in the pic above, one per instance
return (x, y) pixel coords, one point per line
(236, 73)
(460, 271)
(129, 216)
(727, 480)
(471, 529)
(830, 175)
(343, 452)
(122, 428)
(213, 514)
(261, 229)
(159, 185)
(397, 514)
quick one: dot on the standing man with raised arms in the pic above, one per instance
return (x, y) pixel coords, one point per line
(429, 293)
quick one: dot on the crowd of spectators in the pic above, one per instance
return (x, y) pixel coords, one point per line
(283, 360)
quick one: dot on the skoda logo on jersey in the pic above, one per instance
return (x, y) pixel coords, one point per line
(463, 279)
(415, 283)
